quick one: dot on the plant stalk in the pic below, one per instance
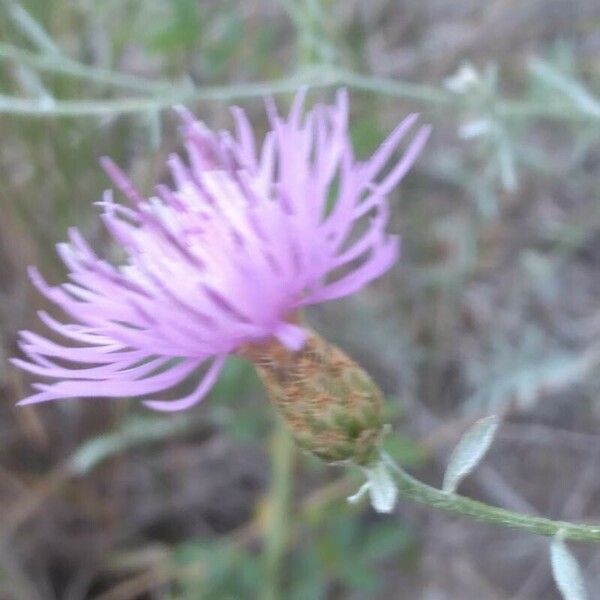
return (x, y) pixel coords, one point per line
(420, 492)
(316, 77)
(282, 459)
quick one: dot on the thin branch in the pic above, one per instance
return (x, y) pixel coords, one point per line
(276, 533)
(422, 493)
(315, 78)
(185, 95)
(59, 64)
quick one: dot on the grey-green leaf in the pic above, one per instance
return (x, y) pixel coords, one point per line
(469, 451)
(566, 571)
(382, 488)
(133, 432)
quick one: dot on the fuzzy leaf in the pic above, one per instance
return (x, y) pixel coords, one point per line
(469, 451)
(566, 571)
(382, 488)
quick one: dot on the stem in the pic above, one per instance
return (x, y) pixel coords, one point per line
(510, 109)
(178, 95)
(399, 88)
(278, 509)
(56, 63)
(318, 77)
(479, 511)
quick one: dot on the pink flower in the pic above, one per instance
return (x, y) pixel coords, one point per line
(245, 239)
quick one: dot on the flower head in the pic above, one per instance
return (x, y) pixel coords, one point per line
(221, 261)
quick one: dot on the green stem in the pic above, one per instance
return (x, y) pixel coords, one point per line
(420, 492)
(318, 77)
(278, 509)
(399, 88)
(510, 109)
(56, 63)
(177, 95)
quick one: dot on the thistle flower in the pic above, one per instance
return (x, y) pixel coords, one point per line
(223, 262)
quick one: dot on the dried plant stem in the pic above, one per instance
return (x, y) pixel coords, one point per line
(420, 492)
(278, 509)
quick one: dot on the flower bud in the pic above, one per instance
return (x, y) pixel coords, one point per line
(331, 406)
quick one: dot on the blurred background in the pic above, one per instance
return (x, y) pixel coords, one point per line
(493, 307)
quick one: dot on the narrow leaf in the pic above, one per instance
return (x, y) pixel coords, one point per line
(566, 571)
(469, 451)
(569, 86)
(131, 433)
(30, 28)
(382, 488)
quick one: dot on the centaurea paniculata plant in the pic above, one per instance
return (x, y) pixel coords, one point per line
(223, 264)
